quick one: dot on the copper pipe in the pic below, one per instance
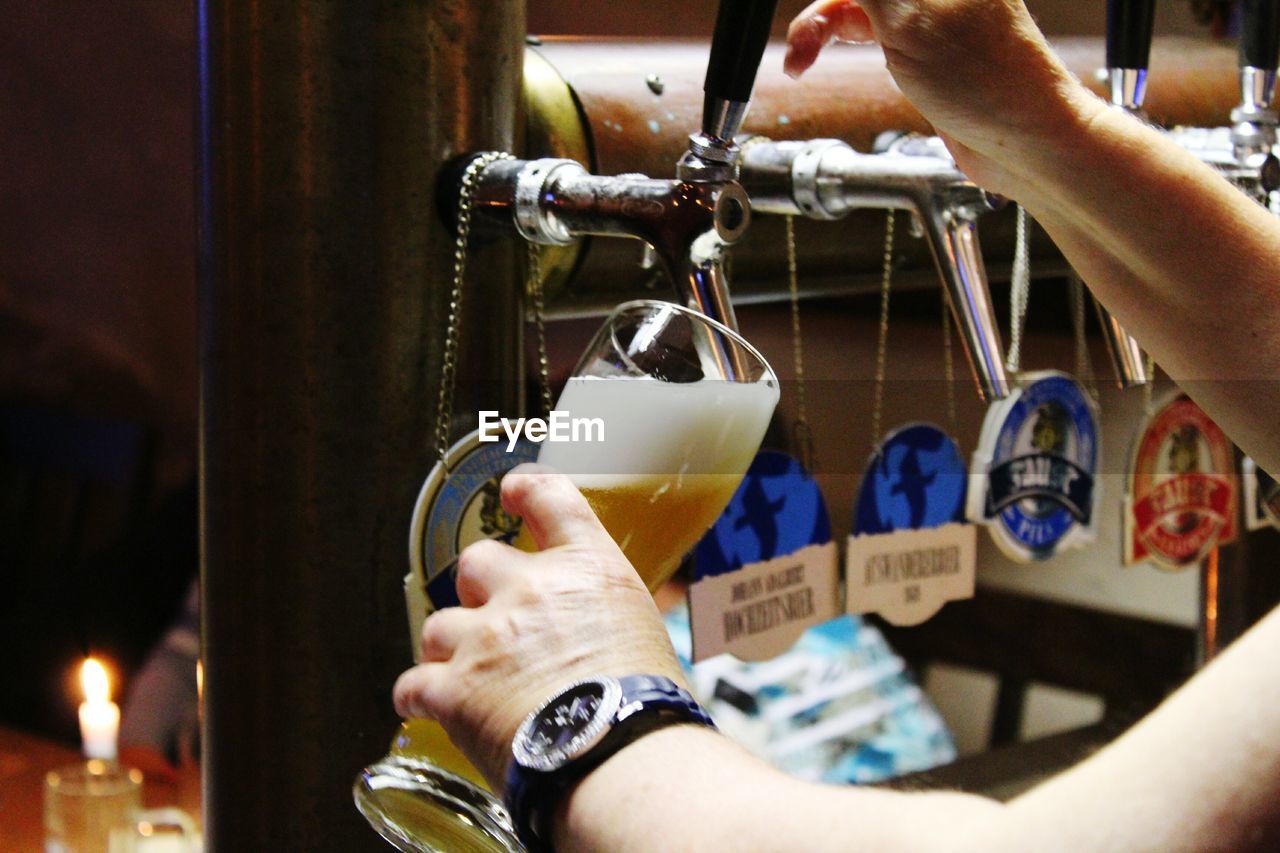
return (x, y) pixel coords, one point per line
(1207, 631)
(638, 100)
(324, 285)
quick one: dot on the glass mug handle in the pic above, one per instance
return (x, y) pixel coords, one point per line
(166, 830)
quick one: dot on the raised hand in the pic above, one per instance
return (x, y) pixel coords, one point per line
(531, 623)
(979, 70)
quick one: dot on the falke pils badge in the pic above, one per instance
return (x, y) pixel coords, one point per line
(1182, 492)
(911, 552)
(1034, 474)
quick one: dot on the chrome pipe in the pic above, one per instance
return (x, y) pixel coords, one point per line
(826, 179)
(688, 224)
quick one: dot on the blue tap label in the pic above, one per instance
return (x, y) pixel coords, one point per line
(916, 479)
(766, 571)
(777, 510)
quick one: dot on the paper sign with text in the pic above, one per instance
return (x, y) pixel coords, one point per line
(906, 576)
(772, 549)
(761, 609)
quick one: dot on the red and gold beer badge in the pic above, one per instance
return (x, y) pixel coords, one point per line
(1182, 492)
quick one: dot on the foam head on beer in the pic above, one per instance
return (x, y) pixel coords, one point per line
(671, 457)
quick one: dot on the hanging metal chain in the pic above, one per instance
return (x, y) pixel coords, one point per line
(461, 245)
(1084, 364)
(540, 324)
(949, 363)
(882, 342)
(1019, 293)
(801, 434)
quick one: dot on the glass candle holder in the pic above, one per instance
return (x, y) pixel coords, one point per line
(95, 806)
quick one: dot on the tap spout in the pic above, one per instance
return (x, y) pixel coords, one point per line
(689, 224)
(1254, 120)
(1130, 24)
(825, 179)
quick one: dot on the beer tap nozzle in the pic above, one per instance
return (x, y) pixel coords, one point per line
(688, 224)
(1254, 121)
(1129, 27)
(825, 179)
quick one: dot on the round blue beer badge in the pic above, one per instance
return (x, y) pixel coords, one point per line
(766, 571)
(916, 479)
(778, 509)
(454, 509)
(1035, 468)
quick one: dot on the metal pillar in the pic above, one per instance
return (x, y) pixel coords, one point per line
(324, 276)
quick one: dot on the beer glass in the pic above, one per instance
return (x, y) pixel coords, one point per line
(657, 426)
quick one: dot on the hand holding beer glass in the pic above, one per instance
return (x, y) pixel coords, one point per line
(684, 403)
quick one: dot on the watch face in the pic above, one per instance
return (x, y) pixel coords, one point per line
(568, 725)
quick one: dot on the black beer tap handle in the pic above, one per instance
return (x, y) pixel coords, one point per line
(742, 29)
(1260, 34)
(1129, 24)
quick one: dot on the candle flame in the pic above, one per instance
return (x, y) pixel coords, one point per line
(93, 677)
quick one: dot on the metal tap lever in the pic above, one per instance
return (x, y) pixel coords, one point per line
(742, 29)
(1260, 34)
(1129, 25)
(825, 179)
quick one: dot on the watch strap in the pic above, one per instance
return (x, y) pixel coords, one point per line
(649, 703)
(658, 693)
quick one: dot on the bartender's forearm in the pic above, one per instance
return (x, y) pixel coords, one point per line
(690, 789)
(1188, 263)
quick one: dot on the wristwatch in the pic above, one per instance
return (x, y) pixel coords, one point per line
(574, 731)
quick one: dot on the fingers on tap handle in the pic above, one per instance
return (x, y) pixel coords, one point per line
(1260, 34)
(742, 29)
(820, 24)
(1129, 24)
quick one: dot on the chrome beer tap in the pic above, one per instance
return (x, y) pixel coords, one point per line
(826, 178)
(1253, 122)
(1129, 25)
(742, 30)
(1242, 153)
(687, 223)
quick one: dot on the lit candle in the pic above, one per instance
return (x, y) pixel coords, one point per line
(99, 716)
